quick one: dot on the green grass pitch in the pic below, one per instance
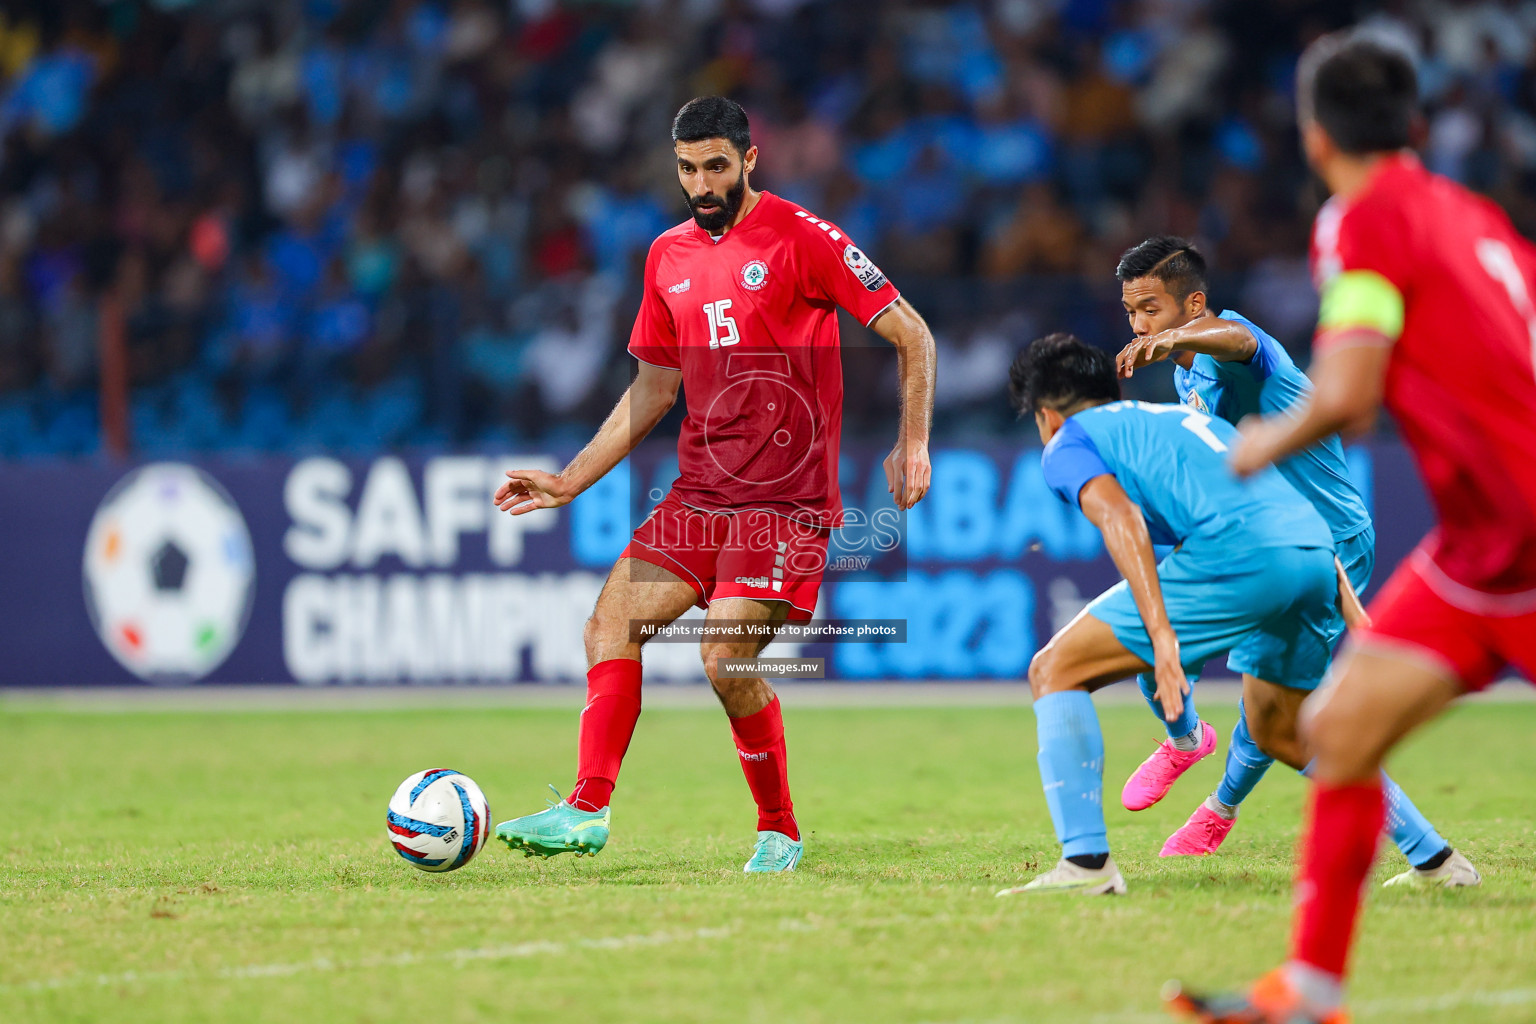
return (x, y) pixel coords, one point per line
(204, 866)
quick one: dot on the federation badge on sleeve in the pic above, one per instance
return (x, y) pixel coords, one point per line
(754, 275)
(869, 275)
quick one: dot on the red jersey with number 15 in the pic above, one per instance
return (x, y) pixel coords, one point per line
(1460, 381)
(751, 321)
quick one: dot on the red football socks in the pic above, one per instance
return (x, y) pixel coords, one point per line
(607, 723)
(1344, 827)
(765, 762)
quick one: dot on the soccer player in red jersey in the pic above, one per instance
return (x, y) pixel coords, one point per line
(1427, 309)
(740, 309)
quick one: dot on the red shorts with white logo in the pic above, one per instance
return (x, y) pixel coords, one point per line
(1470, 640)
(743, 553)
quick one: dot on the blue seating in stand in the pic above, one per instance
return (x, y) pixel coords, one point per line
(18, 431)
(265, 422)
(73, 427)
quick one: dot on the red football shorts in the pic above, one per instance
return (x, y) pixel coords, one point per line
(746, 553)
(1414, 610)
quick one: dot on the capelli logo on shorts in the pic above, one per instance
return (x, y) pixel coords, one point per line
(753, 581)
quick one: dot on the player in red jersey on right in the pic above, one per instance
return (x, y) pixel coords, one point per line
(739, 308)
(1427, 308)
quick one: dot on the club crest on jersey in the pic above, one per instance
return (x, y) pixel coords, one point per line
(1194, 400)
(754, 275)
(869, 275)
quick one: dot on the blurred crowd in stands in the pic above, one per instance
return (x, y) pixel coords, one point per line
(363, 224)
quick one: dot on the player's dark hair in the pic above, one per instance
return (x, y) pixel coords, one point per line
(1364, 92)
(1172, 260)
(713, 117)
(1058, 371)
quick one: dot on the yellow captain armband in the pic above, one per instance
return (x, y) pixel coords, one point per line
(1361, 299)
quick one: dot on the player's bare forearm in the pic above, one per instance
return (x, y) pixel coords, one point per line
(1108, 507)
(1224, 340)
(916, 355)
(1346, 395)
(1130, 545)
(644, 403)
(907, 468)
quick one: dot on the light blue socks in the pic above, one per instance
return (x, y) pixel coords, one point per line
(1072, 770)
(1246, 765)
(1410, 830)
(1186, 722)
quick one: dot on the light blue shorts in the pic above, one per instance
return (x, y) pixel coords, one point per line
(1358, 554)
(1263, 656)
(1273, 608)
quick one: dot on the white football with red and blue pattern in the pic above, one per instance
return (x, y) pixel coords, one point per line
(438, 819)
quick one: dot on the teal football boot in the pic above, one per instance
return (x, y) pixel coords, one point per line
(559, 828)
(774, 852)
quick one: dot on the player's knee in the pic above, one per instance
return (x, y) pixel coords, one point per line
(1327, 729)
(591, 631)
(1044, 673)
(602, 631)
(711, 656)
(727, 687)
(1265, 742)
(1272, 737)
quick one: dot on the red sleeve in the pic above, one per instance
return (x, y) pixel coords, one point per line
(654, 337)
(1368, 235)
(1524, 252)
(840, 272)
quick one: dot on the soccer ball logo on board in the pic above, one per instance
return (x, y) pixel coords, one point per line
(169, 573)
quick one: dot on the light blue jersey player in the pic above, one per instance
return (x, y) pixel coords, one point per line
(1253, 569)
(1228, 368)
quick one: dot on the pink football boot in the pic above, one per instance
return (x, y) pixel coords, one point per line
(1151, 782)
(1201, 834)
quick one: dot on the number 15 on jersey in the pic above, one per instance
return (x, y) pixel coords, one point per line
(722, 326)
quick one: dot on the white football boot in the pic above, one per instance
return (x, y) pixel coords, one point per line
(1457, 871)
(1068, 877)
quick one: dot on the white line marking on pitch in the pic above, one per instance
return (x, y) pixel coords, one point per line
(454, 956)
(521, 950)
(1451, 1000)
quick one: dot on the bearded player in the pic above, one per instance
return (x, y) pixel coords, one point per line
(740, 308)
(1226, 365)
(1407, 263)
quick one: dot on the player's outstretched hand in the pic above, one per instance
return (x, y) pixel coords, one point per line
(907, 473)
(1172, 684)
(528, 489)
(1143, 352)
